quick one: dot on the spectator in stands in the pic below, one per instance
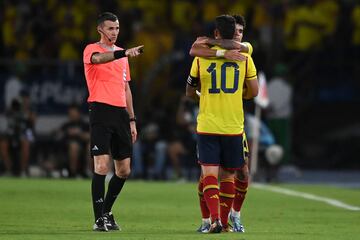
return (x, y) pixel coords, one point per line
(20, 135)
(74, 135)
(149, 153)
(182, 147)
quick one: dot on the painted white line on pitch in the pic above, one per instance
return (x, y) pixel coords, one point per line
(309, 196)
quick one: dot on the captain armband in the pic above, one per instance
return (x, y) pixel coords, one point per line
(119, 54)
(193, 81)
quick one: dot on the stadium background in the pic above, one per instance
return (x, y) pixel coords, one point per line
(314, 45)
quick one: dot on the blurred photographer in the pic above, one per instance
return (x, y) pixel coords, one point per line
(19, 135)
(182, 147)
(74, 135)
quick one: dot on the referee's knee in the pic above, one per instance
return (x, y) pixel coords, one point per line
(101, 169)
(123, 173)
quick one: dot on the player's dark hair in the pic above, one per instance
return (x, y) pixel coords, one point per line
(240, 20)
(225, 24)
(106, 16)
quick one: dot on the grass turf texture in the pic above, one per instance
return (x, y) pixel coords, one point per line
(61, 209)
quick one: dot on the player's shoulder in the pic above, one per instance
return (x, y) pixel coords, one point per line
(248, 44)
(250, 47)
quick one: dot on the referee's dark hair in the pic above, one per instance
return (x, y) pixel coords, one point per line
(106, 16)
(225, 24)
(239, 20)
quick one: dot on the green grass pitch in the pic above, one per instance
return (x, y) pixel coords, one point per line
(61, 209)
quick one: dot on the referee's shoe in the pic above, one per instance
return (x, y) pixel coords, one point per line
(100, 225)
(110, 222)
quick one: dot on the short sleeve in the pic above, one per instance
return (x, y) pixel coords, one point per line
(250, 69)
(88, 52)
(250, 47)
(194, 72)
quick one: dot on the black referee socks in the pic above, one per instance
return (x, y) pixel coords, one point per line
(115, 186)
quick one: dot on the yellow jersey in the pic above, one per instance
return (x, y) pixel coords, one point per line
(250, 47)
(221, 103)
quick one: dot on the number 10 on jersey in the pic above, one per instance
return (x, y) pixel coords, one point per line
(212, 69)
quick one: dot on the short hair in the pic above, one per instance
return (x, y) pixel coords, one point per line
(240, 20)
(106, 16)
(225, 24)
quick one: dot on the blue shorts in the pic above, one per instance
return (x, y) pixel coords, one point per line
(220, 150)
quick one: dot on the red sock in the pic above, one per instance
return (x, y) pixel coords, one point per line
(227, 194)
(241, 189)
(205, 213)
(211, 195)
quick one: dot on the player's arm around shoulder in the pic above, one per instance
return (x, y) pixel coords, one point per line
(200, 48)
(231, 49)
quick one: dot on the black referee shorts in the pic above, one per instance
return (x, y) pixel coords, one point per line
(110, 131)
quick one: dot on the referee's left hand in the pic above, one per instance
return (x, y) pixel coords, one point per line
(133, 131)
(133, 52)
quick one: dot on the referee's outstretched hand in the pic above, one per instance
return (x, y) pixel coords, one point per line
(133, 52)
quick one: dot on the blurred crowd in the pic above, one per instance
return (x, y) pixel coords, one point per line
(58, 29)
(308, 46)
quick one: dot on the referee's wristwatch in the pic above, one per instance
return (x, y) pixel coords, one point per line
(133, 119)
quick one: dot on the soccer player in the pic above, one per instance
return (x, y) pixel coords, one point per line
(234, 46)
(200, 48)
(221, 119)
(112, 118)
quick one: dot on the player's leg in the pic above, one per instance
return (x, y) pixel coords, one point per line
(205, 213)
(227, 194)
(232, 160)
(209, 158)
(211, 195)
(241, 186)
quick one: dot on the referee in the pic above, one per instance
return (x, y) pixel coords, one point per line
(112, 118)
